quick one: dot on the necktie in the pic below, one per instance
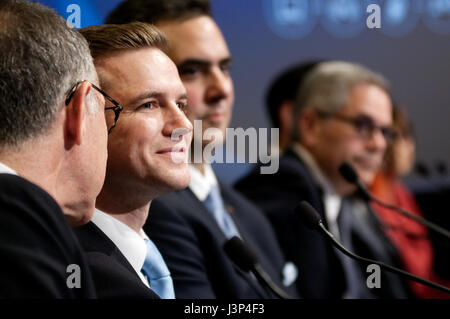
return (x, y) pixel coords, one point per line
(215, 206)
(157, 273)
(361, 234)
(356, 282)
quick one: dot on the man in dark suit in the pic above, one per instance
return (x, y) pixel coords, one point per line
(343, 113)
(52, 153)
(147, 157)
(191, 226)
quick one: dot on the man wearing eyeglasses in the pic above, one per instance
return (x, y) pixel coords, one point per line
(147, 157)
(343, 113)
(52, 153)
(191, 226)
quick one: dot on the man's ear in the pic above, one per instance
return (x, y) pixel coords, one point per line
(286, 113)
(76, 113)
(308, 125)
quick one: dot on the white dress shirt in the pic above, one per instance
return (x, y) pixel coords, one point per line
(130, 243)
(201, 184)
(332, 201)
(5, 169)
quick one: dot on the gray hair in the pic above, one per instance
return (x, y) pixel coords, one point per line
(41, 58)
(328, 85)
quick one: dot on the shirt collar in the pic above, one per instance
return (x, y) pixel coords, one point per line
(314, 168)
(201, 184)
(130, 243)
(331, 199)
(5, 169)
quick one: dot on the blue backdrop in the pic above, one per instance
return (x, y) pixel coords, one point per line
(412, 49)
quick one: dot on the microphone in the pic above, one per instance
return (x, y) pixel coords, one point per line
(310, 217)
(350, 175)
(441, 168)
(246, 259)
(422, 170)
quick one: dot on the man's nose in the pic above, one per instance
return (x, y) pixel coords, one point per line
(176, 123)
(220, 86)
(377, 141)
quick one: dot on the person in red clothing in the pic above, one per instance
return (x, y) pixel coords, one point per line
(410, 238)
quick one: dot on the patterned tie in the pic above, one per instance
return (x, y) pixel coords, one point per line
(157, 273)
(215, 206)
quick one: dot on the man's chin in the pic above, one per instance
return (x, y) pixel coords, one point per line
(367, 177)
(179, 181)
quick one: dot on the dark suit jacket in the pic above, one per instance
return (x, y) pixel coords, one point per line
(191, 243)
(37, 245)
(321, 272)
(321, 275)
(113, 275)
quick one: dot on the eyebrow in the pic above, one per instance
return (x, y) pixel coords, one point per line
(203, 63)
(153, 94)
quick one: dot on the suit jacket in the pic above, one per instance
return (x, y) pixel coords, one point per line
(37, 245)
(320, 271)
(191, 243)
(113, 275)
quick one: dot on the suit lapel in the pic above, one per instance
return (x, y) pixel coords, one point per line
(93, 239)
(189, 199)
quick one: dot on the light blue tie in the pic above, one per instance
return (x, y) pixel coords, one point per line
(157, 273)
(215, 206)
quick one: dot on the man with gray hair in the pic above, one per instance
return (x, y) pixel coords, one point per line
(343, 113)
(52, 152)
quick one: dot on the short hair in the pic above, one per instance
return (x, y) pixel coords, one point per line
(108, 39)
(327, 86)
(284, 87)
(41, 58)
(155, 11)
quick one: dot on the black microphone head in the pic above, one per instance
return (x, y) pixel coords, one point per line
(348, 173)
(241, 253)
(308, 214)
(422, 169)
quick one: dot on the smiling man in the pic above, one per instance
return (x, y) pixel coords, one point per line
(191, 226)
(144, 160)
(343, 113)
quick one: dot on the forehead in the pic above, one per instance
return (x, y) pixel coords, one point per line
(369, 100)
(127, 73)
(198, 38)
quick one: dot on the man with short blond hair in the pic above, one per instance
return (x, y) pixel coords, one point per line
(147, 157)
(191, 226)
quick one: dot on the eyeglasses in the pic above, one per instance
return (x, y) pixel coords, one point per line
(117, 108)
(364, 125)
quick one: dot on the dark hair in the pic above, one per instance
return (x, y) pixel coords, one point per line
(404, 130)
(401, 123)
(40, 59)
(110, 38)
(155, 11)
(285, 87)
